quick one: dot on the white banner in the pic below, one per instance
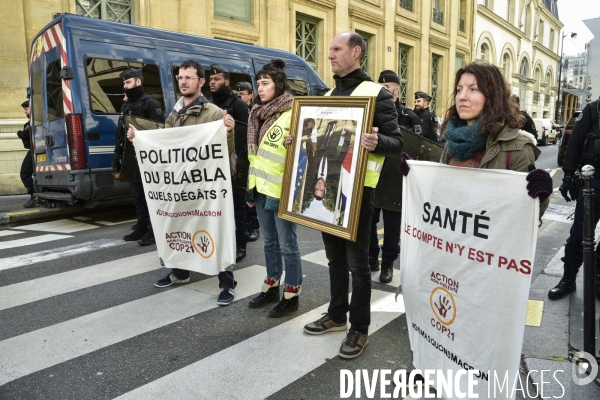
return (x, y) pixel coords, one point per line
(468, 247)
(187, 182)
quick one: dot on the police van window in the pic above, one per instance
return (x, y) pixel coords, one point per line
(298, 87)
(234, 78)
(106, 86)
(54, 91)
(36, 88)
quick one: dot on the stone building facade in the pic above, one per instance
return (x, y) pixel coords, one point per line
(425, 41)
(522, 37)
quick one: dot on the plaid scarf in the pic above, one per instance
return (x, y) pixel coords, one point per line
(268, 113)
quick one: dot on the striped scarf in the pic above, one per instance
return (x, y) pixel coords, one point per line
(268, 113)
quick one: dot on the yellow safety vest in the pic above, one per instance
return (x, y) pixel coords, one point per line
(374, 162)
(266, 167)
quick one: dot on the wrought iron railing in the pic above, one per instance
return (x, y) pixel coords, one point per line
(406, 4)
(438, 16)
(536, 96)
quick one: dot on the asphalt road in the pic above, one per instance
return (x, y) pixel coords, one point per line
(81, 319)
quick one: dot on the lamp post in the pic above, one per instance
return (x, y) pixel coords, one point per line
(558, 94)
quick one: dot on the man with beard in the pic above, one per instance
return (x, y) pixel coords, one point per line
(223, 97)
(428, 121)
(194, 109)
(139, 104)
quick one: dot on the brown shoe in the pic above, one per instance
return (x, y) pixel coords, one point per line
(353, 345)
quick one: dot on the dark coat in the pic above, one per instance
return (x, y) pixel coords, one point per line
(580, 149)
(389, 137)
(25, 135)
(428, 124)
(407, 119)
(529, 125)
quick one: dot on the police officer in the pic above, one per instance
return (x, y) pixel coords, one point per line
(528, 126)
(223, 97)
(139, 104)
(580, 152)
(428, 121)
(244, 91)
(27, 165)
(407, 119)
(390, 250)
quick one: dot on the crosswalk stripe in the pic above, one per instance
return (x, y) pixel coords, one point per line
(31, 241)
(9, 233)
(59, 226)
(54, 254)
(43, 348)
(108, 223)
(319, 257)
(54, 285)
(248, 365)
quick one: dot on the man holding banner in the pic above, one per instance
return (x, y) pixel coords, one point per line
(345, 53)
(194, 109)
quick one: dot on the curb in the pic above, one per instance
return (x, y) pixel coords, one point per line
(16, 217)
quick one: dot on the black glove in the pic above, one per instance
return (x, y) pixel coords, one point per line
(116, 163)
(569, 188)
(540, 183)
(404, 168)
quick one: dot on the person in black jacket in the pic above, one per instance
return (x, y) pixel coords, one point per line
(429, 123)
(27, 164)
(407, 119)
(528, 126)
(345, 53)
(223, 97)
(142, 105)
(580, 152)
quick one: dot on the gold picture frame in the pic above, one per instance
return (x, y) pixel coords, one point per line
(325, 163)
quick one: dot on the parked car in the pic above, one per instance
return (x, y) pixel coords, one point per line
(562, 148)
(546, 132)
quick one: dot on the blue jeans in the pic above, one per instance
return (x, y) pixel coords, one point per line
(574, 247)
(281, 244)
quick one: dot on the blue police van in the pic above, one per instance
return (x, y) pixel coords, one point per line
(76, 95)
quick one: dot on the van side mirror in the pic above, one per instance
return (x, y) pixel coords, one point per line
(66, 73)
(29, 92)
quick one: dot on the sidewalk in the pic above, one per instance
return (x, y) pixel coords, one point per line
(13, 212)
(550, 346)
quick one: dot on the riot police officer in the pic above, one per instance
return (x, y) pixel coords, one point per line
(528, 126)
(429, 123)
(223, 97)
(407, 119)
(139, 104)
(27, 164)
(581, 150)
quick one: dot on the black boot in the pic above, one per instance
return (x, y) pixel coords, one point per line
(136, 235)
(374, 263)
(387, 271)
(264, 298)
(253, 234)
(32, 202)
(566, 285)
(598, 287)
(240, 254)
(288, 304)
(148, 238)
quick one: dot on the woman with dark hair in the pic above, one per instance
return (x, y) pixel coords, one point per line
(269, 119)
(482, 129)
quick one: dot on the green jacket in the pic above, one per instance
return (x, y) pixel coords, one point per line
(522, 148)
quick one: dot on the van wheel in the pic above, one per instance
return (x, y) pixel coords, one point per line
(559, 160)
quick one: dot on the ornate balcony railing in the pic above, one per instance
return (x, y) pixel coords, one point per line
(406, 4)
(438, 16)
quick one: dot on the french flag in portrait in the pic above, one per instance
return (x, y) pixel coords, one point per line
(346, 182)
(300, 175)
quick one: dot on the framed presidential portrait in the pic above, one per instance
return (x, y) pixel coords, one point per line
(325, 164)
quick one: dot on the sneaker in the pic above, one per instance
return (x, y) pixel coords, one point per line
(226, 296)
(253, 234)
(135, 235)
(32, 202)
(148, 239)
(324, 325)
(353, 345)
(169, 280)
(264, 298)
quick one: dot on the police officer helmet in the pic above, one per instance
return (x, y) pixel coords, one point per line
(219, 69)
(388, 76)
(131, 73)
(244, 86)
(422, 95)
(25, 104)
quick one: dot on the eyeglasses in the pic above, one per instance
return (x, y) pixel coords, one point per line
(185, 78)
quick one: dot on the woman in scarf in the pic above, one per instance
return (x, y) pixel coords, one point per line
(482, 130)
(269, 119)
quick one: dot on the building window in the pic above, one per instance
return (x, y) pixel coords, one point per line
(489, 4)
(435, 69)
(484, 52)
(541, 32)
(406, 4)
(506, 66)
(438, 13)
(459, 61)
(551, 44)
(307, 40)
(234, 10)
(527, 22)
(110, 10)
(463, 16)
(364, 64)
(403, 73)
(523, 69)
